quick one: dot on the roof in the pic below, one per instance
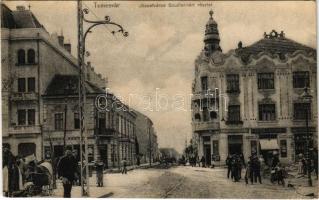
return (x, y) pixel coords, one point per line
(273, 43)
(62, 85)
(18, 19)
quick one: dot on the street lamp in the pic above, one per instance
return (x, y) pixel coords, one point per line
(306, 96)
(82, 80)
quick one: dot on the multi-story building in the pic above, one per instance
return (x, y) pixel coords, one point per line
(40, 97)
(249, 99)
(30, 58)
(146, 138)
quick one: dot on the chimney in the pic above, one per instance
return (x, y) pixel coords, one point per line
(67, 47)
(61, 40)
(20, 8)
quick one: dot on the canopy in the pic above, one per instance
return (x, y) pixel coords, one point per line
(268, 144)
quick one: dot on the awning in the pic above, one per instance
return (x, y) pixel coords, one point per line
(268, 144)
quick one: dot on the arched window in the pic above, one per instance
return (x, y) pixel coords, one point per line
(21, 56)
(31, 56)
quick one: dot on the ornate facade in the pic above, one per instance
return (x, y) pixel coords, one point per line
(249, 99)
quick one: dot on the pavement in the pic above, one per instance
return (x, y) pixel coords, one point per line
(189, 182)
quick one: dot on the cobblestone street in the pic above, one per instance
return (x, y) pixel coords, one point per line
(182, 182)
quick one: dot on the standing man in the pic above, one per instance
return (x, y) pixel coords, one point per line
(124, 170)
(67, 168)
(99, 166)
(228, 163)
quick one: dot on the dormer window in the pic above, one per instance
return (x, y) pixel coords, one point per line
(204, 83)
(266, 81)
(301, 79)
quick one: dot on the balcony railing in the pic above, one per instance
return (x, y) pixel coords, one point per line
(21, 96)
(16, 130)
(105, 132)
(203, 126)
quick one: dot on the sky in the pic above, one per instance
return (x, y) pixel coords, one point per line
(153, 68)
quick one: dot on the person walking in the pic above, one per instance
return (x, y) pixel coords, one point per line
(257, 174)
(67, 168)
(315, 161)
(99, 166)
(228, 163)
(202, 160)
(124, 170)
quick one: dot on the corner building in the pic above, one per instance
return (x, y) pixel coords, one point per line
(249, 99)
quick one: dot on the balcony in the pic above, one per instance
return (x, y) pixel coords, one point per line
(105, 132)
(23, 130)
(204, 126)
(24, 96)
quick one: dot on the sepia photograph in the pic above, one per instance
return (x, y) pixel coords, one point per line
(159, 99)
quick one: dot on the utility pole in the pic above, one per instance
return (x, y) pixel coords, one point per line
(82, 99)
(150, 141)
(65, 117)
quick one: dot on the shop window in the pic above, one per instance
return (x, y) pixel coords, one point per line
(300, 110)
(266, 81)
(21, 57)
(21, 85)
(253, 147)
(22, 117)
(31, 116)
(26, 149)
(31, 84)
(204, 83)
(267, 112)
(233, 113)
(31, 56)
(300, 79)
(58, 121)
(232, 83)
(283, 148)
(215, 147)
(76, 120)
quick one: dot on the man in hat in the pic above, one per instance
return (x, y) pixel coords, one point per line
(67, 171)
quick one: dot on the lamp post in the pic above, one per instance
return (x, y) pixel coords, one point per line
(82, 34)
(307, 99)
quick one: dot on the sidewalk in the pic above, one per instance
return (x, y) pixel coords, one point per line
(110, 176)
(300, 184)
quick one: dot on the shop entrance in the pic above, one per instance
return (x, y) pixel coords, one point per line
(235, 144)
(103, 155)
(207, 152)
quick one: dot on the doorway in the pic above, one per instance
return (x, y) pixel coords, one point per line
(103, 155)
(207, 153)
(235, 144)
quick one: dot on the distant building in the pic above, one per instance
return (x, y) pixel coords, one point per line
(146, 138)
(249, 99)
(169, 153)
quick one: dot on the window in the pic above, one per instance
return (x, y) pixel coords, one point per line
(76, 120)
(232, 83)
(197, 117)
(213, 115)
(102, 121)
(267, 112)
(300, 110)
(234, 113)
(301, 79)
(266, 81)
(31, 117)
(204, 83)
(31, 56)
(215, 147)
(205, 114)
(58, 119)
(283, 148)
(22, 117)
(31, 84)
(21, 56)
(21, 85)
